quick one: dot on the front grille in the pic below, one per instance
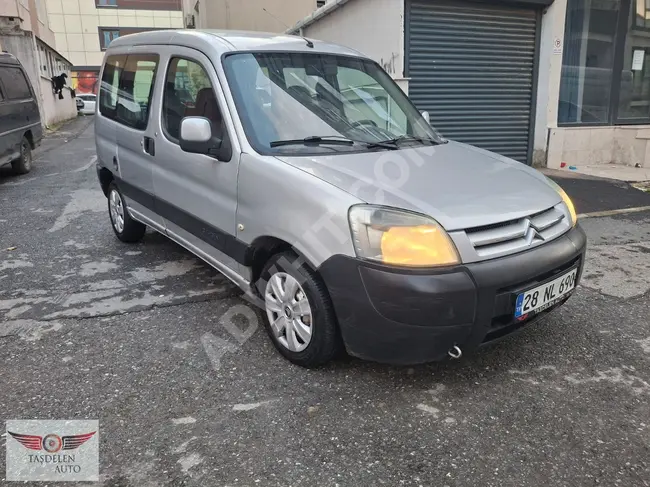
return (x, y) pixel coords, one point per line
(517, 235)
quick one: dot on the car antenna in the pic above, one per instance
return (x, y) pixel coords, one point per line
(309, 43)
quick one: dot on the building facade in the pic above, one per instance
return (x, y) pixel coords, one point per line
(604, 93)
(253, 15)
(24, 32)
(83, 29)
(542, 81)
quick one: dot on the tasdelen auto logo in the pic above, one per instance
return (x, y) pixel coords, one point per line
(57, 450)
(52, 443)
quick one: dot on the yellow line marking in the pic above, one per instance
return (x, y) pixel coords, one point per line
(621, 211)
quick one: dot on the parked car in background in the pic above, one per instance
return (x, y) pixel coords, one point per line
(20, 121)
(86, 103)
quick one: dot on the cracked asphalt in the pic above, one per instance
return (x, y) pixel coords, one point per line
(188, 390)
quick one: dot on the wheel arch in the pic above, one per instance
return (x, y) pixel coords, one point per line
(30, 138)
(105, 179)
(261, 250)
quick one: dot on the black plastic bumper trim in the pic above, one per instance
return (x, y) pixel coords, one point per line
(409, 316)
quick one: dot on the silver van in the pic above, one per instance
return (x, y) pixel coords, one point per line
(302, 172)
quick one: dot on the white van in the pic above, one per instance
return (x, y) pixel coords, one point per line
(302, 172)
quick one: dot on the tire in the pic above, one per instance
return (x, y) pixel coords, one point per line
(126, 228)
(324, 342)
(23, 164)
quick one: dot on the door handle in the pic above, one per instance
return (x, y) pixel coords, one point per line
(149, 146)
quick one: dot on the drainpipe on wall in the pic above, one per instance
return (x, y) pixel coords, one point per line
(318, 14)
(37, 88)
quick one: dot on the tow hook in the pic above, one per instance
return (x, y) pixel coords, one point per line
(455, 352)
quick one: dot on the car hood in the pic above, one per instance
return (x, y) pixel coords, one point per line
(460, 186)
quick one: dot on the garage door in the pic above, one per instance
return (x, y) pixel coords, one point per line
(472, 68)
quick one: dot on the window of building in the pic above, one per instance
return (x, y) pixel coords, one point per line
(588, 61)
(126, 87)
(15, 83)
(188, 92)
(634, 90)
(140, 4)
(42, 60)
(107, 36)
(641, 14)
(605, 72)
(320, 3)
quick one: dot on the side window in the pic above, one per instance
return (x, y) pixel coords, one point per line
(189, 93)
(127, 85)
(15, 83)
(110, 84)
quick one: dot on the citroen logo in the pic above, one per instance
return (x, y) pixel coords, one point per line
(532, 232)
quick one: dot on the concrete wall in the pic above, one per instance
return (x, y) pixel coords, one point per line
(39, 22)
(11, 8)
(548, 80)
(197, 9)
(249, 14)
(55, 110)
(76, 26)
(590, 146)
(373, 27)
(33, 16)
(17, 8)
(51, 108)
(22, 46)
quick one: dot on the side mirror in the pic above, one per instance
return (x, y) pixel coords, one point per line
(196, 136)
(425, 116)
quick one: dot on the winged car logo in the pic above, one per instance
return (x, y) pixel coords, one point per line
(52, 443)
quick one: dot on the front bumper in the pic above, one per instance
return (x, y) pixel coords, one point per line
(405, 316)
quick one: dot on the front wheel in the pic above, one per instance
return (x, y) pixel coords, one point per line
(299, 315)
(23, 164)
(125, 227)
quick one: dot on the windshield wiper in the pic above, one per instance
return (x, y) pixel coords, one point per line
(316, 140)
(338, 140)
(402, 138)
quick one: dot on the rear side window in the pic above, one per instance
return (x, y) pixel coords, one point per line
(110, 85)
(15, 83)
(126, 89)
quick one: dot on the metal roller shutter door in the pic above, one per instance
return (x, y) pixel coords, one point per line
(472, 67)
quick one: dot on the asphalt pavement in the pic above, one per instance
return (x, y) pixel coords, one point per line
(189, 391)
(593, 194)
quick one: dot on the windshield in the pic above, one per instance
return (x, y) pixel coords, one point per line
(284, 98)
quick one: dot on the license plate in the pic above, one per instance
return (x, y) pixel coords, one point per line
(544, 296)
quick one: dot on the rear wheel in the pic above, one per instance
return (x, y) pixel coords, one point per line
(299, 316)
(23, 164)
(125, 227)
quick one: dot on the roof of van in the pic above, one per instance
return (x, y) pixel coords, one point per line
(229, 41)
(8, 58)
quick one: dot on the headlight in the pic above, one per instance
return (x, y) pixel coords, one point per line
(567, 201)
(397, 237)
